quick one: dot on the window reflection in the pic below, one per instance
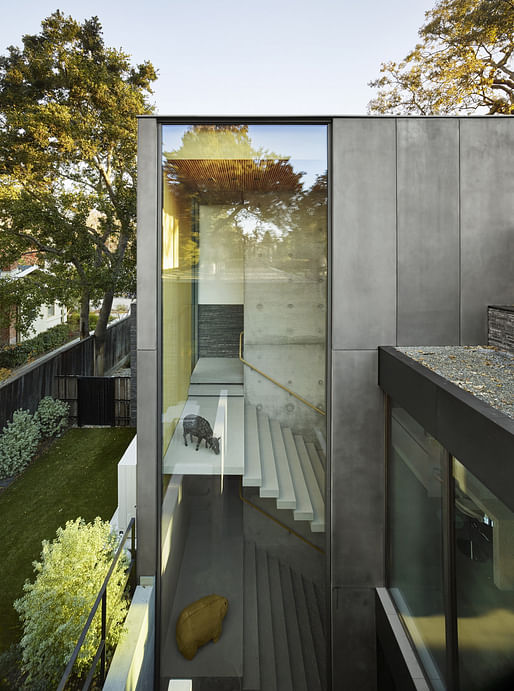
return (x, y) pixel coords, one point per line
(416, 557)
(484, 532)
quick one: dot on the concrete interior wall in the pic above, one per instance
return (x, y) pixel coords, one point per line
(423, 241)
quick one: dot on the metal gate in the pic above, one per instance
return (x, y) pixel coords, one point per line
(95, 401)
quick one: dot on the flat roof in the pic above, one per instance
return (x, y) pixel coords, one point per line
(485, 371)
(447, 405)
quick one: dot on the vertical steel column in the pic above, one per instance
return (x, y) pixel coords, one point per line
(449, 573)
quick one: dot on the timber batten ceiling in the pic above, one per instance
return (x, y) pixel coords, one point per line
(233, 175)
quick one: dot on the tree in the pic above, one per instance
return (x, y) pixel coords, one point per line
(464, 63)
(55, 608)
(68, 137)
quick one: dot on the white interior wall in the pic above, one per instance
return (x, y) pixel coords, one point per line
(221, 257)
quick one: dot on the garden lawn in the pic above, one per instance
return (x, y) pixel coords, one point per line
(76, 476)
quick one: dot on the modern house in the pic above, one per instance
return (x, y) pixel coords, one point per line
(275, 257)
(49, 315)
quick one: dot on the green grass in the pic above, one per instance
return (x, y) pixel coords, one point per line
(76, 476)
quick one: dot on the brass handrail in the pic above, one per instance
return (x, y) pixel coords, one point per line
(274, 381)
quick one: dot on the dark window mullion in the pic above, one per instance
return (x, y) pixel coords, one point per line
(450, 590)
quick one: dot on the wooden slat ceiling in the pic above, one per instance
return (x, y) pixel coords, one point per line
(233, 176)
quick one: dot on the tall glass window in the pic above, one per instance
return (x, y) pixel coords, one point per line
(415, 535)
(244, 296)
(484, 533)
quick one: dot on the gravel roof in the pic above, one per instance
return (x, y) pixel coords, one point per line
(485, 371)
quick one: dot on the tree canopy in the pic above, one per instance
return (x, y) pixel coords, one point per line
(463, 64)
(68, 139)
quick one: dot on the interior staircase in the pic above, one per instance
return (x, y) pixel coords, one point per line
(284, 627)
(284, 467)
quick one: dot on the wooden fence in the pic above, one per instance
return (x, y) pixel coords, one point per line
(38, 379)
(68, 390)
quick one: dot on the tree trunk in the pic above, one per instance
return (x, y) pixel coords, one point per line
(100, 332)
(84, 315)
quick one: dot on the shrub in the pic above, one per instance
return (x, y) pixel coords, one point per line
(4, 373)
(19, 354)
(18, 443)
(52, 416)
(55, 607)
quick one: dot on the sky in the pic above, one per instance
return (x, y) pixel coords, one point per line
(246, 57)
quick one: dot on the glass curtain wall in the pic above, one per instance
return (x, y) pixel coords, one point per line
(471, 592)
(244, 295)
(484, 534)
(415, 537)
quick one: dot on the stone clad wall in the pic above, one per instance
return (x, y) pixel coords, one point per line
(500, 327)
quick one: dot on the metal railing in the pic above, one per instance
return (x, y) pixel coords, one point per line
(100, 655)
(274, 381)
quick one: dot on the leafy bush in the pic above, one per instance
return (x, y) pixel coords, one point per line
(4, 373)
(52, 416)
(18, 443)
(55, 607)
(19, 354)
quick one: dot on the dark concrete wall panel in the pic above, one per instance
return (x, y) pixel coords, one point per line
(487, 221)
(364, 231)
(428, 231)
(354, 639)
(357, 470)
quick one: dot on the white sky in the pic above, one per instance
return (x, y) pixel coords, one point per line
(246, 57)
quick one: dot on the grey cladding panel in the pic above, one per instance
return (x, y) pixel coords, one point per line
(428, 231)
(357, 469)
(487, 221)
(364, 233)
(147, 241)
(147, 454)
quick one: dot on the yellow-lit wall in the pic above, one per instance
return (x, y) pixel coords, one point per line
(179, 256)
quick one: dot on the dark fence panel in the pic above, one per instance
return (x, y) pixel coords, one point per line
(95, 401)
(39, 379)
(117, 343)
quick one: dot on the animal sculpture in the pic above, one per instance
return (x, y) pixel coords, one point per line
(197, 426)
(199, 623)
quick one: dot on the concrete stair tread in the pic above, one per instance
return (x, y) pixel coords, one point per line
(304, 510)
(251, 671)
(253, 474)
(316, 627)
(317, 466)
(286, 498)
(318, 504)
(266, 642)
(282, 663)
(269, 486)
(306, 636)
(293, 631)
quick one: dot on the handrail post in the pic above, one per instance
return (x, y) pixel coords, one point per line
(104, 635)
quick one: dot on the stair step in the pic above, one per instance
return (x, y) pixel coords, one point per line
(269, 485)
(317, 466)
(253, 475)
(251, 672)
(303, 511)
(317, 629)
(318, 505)
(266, 642)
(286, 498)
(293, 631)
(322, 445)
(283, 667)
(322, 607)
(306, 637)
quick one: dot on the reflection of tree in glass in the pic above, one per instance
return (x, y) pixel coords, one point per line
(261, 198)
